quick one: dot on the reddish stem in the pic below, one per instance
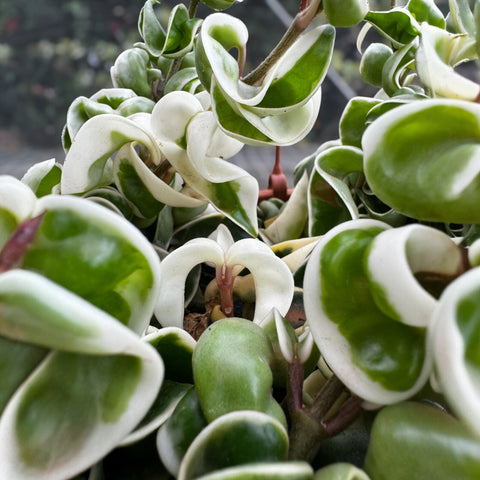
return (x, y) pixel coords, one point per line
(277, 182)
(295, 385)
(225, 286)
(341, 419)
(16, 247)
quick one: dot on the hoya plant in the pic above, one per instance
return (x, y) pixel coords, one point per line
(163, 318)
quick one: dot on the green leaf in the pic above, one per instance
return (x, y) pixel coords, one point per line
(341, 471)
(43, 177)
(88, 164)
(394, 259)
(179, 431)
(439, 52)
(111, 197)
(178, 38)
(186, 79)
(219, 4)
(17, 362)
(345, 14)
(454, 336)
(267, 471)
(330, 198)
(97, 255)
(282, 109)
(231, 370)
(130, 71)
(398, 25)
(82, 421)
(160, 411)
(197, 148)
(395, 70)
(242, 437)
(378, 358)
(84, 396)
(353, 121)
(410, 441)
(462, 17)
(17, 203)
(420, 159)
(291, 222)
(146, 192)
(373, 61)
(176, 347)
(426, 11)
(122, 101)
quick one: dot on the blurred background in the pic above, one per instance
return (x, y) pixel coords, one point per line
(52, 52)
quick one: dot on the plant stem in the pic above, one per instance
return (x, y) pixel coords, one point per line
(294, 386)
(174, 68)
(13, 252)
(306, 435)
(325, 399)
(225, 285)
(343, 417)
(308, 425)
(192, 8)
(299, 24)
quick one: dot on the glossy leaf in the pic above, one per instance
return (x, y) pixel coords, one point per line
(372, 62)
(253, 129)
(44, 177)
(121, 101)
(243, 437)
(439, 52)
(88, 164)
(98, 255)
(428, 438)
(420, 159)
(273, 280)
(267, 471)
(146, 192)
(231, 370)
(17, 203)
(426, 11)
(398, 25)
(353, 121)
(178, 37)
(396, 256)
(345, 14)
(219, 4)
(454, 342)
(197, 149)
(280, 110)
(396, 68)
(175, 347)
(131, 71)
(76, 397)
(377, 357)
(160, 411)
(186, 79)
(179, 431)
(330, 199)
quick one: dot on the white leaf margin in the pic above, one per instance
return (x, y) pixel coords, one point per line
(332, 344)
